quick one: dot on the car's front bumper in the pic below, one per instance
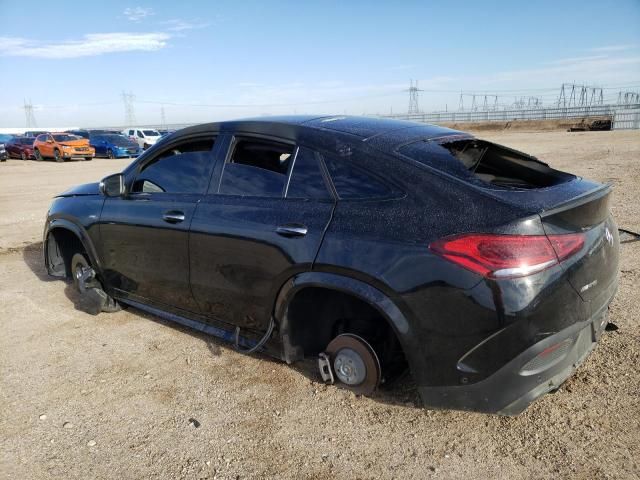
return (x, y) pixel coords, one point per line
(514, 386)
(3, 155)
(124, 152)
(76, 154)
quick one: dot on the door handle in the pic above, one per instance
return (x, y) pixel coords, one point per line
(292, 230)
(173, 216)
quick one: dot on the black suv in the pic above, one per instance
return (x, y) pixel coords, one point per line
(372, 245)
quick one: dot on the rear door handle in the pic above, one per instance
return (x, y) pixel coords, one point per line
(173, 216)
(292, 230)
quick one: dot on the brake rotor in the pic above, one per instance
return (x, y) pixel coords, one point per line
(355, 363)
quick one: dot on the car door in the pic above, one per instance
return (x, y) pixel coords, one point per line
(140, 138)
(97, 142)
(261, 222)
(47, 146)
(144, 234)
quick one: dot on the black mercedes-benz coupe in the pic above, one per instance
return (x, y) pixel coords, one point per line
(373, 245)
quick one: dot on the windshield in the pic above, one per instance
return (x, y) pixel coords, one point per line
(151, 133)
(66, 138)
(118, 140)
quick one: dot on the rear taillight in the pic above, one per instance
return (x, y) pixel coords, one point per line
(507, 255)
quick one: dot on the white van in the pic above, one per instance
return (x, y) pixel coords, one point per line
(144, 138)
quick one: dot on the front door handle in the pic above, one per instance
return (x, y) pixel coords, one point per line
(292, 230)
(173, 216)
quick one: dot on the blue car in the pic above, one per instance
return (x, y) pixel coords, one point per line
(112, 145)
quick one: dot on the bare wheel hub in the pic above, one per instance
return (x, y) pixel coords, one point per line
(354, 363)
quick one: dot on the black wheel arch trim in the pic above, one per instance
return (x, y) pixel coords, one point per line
(359, 289)
(78, 231)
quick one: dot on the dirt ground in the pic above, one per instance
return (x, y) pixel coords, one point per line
(127, 395)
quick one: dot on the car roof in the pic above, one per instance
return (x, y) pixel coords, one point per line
(383, 133)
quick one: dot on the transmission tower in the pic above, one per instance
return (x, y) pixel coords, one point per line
(628, 98)
(129, 112)
(413, 97)
(163, 118)
(534, 102)
(28, 113)
(579, 96)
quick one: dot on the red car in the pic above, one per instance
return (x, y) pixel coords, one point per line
(20, 147)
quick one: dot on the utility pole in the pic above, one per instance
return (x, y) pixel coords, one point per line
(129, 112)
(413, 97)
(28, 113)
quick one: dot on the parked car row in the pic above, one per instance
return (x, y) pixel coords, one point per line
(82, 144)
(3, 152)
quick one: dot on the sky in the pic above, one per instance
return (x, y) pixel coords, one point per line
(202, 61)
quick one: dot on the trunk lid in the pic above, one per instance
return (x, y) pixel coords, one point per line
(593, 270)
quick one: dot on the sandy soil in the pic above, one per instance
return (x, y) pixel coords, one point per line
(127, 395)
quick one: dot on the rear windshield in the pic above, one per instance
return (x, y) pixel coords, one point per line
(485, 163)
(66, 138)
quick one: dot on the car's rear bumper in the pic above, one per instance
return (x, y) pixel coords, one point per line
(514, 386)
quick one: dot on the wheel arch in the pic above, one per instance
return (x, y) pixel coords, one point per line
(55, 232)
(358, 289)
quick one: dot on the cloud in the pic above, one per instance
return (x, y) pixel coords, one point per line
(137, 14)
(613, 48)
(87, 46)
(177, 25)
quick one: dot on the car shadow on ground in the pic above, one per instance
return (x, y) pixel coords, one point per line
(400, 391)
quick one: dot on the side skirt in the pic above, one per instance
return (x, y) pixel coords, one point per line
(226, 335)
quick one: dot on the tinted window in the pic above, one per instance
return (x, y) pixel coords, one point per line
(139, 134)
(42, 138)
(66, 138)
(353, 183)
(131, 132)
(184, 168)
(256, 168)
(306, 177)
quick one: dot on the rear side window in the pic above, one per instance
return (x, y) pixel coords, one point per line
(256, 168)
(485, 163)
(183, 168)
(306, 179)
(353, 183)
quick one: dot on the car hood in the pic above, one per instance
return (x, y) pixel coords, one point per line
(81, 190)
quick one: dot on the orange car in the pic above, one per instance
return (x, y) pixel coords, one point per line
(62, 146)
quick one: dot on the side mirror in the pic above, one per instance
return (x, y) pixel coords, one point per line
(113, 185)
